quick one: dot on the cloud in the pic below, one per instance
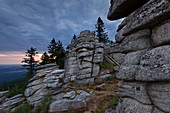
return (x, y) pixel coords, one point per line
(33, 23)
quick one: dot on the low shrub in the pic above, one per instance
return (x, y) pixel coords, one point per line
(45, 103)
(113, 102)
(26, 108)
(106, 65)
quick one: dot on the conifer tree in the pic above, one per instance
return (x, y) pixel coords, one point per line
(74, 37)
(52, 50)
(100, 30)
(57, 53)
(45, 59)
(60, 57)
(30, 62)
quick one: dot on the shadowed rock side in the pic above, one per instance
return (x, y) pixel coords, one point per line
(143, 39)
(122, 8)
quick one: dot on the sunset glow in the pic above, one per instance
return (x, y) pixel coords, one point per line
(15, 58)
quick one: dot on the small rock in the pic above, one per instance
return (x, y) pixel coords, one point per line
(70, 95)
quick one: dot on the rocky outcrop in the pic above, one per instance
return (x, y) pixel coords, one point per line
(51, 81)
(7, 104)
(82, 66)
(71, 100)
(144, 39)
(84, 55)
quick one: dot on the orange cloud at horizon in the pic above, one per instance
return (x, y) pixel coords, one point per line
(15, 58)
(1, 55)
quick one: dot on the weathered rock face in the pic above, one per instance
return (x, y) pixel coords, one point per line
(144, 39)
(51, 81)
(83, 57)
(122, 8)
(71, 100)
(81, 66)
(7, 104)
(40, 86)
(128, 105)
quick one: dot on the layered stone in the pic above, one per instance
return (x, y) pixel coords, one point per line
(145, 16)
(155, 65)
(159, 94)
(128, 105)
(161, 34)
(122, 8)
(135, 90)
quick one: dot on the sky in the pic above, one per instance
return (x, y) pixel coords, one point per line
(33, 23)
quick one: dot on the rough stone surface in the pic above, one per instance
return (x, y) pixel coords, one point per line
(156, 110)
(137, 41)
(127, 105)
(122, 8)
(149, 15)
(119, 36)
(11, 103)
(155, 65)
(88, 53)
(127, 72)
(144, 38)
(77, 102)
(159, 93)
(133, 58)
(161, 34)
(135, 90)
(113, 48)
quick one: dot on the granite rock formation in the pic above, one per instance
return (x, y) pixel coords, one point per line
(84, 55)
(143, 39)
(82, 66)
(7, 104)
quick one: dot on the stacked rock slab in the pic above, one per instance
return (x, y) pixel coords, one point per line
(7, 104)
(83, 57)
(48, 80)
(144, 38)
(51, 81)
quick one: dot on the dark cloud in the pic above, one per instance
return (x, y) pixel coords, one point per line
(26, 23)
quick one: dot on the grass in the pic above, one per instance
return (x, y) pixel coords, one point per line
(113, 102)
(106, 65)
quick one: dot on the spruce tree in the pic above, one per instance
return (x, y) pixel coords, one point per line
(100, 30)
(74, 37)
(60, 57)
(57, 53)
(52, 50)
(45, 59)
(30, 62)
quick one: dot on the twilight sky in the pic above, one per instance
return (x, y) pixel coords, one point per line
(26, 23)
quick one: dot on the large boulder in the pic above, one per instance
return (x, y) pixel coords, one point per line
(149, 15)
(128, 105)
(122, 8)
(71, 100)
(12, 103)
(138, 41)
(155, 65)
(159, 94)
(161, 34)
(135, 90)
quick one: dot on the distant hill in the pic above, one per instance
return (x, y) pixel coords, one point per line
(11, 72)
